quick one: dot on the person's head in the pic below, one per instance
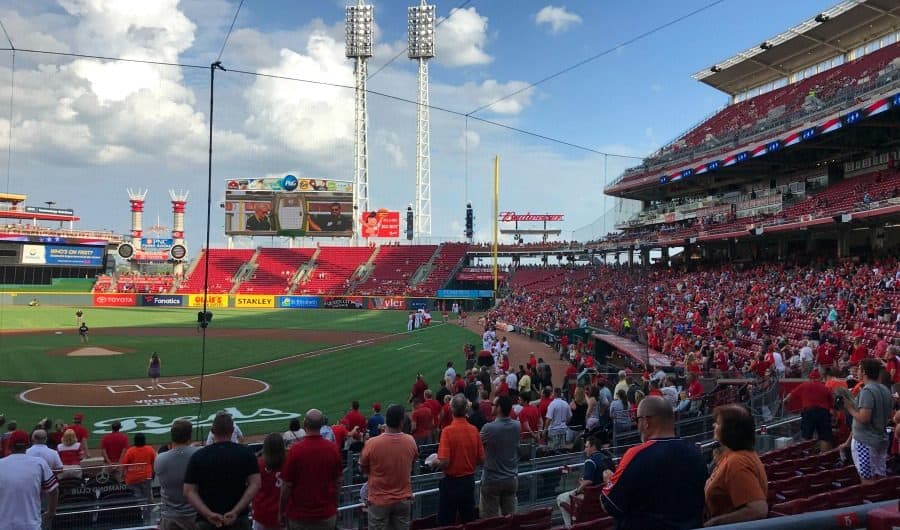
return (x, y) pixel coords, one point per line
(155, 356)
(655, 418)
(39, 436)
(734, 427)
(335, 209)
(78, 418)
(313, 421)
(223, 426)
(69, 438)
(140, 440)
(579, 395)
(484, 394)
(273, 451)
(18, 441)
(459, 405)
(621, 396)
(502, 406)
(871, 370)
(592, 444)
(294, 425)
(376, 408)
(393, 417)
(428, 393)
(116, 426)
(449, 364)
(260, 211)
(181, 432)
(622, 375)
(372, 219)
(547, 392)
(354, 405)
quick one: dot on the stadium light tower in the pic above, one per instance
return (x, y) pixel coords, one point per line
(421, 48)
(358, 33)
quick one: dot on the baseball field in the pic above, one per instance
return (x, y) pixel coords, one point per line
(264, 366)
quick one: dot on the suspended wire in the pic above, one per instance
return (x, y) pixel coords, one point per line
(12, 91)
(6, 34)
(334, 85)
(605, 52)
(230, 29)
(404, 50)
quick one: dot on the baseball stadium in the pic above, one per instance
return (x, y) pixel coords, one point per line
(721, 347)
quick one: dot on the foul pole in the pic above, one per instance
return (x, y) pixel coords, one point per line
(494, 249)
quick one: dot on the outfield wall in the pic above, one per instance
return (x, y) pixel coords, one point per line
(244, 301)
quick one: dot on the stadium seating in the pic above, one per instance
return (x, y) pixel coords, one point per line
(223, 265)
(334, 270)
(748, 115)
(276, 268)
(394, 268)
(448, 259)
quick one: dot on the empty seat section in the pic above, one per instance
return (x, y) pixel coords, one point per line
(275, 269)
(223, 265)
(334, 268)
(394, 268)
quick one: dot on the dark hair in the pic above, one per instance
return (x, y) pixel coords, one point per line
(116, 426)
(737, 430)
(354, 405)
(294, 425)
(872, 368)
(140, 440)
(505, 404)
(393, 416)
(222, 425)
(181, 431)
(597, 439)
(273, 451)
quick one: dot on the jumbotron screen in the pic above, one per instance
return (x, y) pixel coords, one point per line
(289, 206)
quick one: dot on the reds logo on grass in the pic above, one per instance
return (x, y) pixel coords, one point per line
(156, 424)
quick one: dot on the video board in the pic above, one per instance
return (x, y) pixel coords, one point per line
(380, 223)
(289, 206)
(63, 255)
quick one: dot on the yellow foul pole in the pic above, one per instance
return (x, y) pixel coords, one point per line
(496, 217)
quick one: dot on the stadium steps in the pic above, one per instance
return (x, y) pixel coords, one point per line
(422, 273)
(191, 268)
(245, 273)
(304, 271)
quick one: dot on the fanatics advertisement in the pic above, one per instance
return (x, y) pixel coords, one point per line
(161, 300)
(289, 206)
(381, 223)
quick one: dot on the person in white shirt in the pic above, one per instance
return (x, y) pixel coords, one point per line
(450, 374)
(778, 363)
(806, 358)
(512, 380)
(23, 479)
(236, 437)
(558, 413)
(39, 449)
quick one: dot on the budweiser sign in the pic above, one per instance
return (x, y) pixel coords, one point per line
(508, 217)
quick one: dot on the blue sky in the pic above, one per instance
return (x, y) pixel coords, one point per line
(81, 126)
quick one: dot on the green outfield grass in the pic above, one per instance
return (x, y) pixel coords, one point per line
(383, 371)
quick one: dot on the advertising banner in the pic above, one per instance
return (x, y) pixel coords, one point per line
(479, 276)
(161, 300)
(254, 300)
(72, 256)
(299, 302)
(343, 302)
(149, 243)
(380, 223)
(213, 300)
(49, 211)
(115, 300)
(386, 302)
(288, 206)
(465, 293)
(414, 304)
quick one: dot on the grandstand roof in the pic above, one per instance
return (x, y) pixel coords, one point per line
(833, 32)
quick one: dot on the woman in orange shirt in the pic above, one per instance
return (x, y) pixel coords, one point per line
(138, 464)
(737, 489)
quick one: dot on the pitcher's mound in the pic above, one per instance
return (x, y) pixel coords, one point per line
(92, 351)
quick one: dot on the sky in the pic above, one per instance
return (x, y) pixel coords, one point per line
(79, 132)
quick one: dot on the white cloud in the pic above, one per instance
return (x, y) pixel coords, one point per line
(491, 90)
(557, 18)
(461, 38)
(305, 117)
(391, 143)
(469, 140)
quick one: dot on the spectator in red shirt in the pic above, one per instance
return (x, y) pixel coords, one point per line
(265, 502)
(80, 432)
(858, 352)
(422, 423)
(815, 411)
(529, 418)
(114, 444)
(432, 405)
(354, 418)
(418, 389)
(310, 479)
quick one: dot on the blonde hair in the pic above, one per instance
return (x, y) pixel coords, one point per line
(69, 438)
(579, 395)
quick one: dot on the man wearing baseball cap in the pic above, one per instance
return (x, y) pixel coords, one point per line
(22, 479)
(80, 432)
